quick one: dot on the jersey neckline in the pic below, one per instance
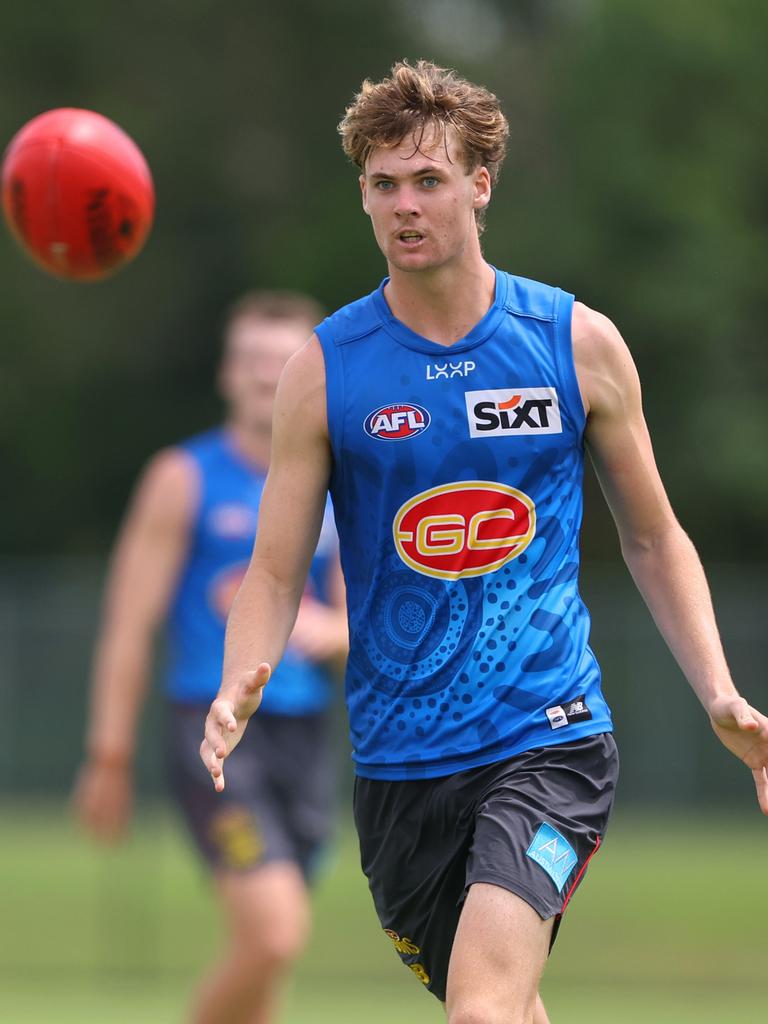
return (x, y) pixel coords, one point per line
(482, 330)
(237, 455)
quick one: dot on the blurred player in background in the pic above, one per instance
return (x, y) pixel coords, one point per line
(180, 557)
(449, 410)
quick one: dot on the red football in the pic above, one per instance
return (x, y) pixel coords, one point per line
(77, 194)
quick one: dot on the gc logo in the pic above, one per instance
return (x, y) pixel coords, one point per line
(464, 529)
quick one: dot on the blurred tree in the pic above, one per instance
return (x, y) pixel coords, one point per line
(645, 195)
(235, 108)
(635, 178)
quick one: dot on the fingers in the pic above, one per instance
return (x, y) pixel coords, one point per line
(761, 784)
(214, 764)
(735, 711)
(746, 717)
(218, 722)
(222, 723)
(102, 803)
(255, 681)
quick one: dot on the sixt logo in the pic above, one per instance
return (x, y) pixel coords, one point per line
(444, 371)
(395, 422)
(514, 411)
(464, 529)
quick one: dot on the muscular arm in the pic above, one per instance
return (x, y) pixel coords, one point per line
(290, 517)
(144, 569)
(658, 553)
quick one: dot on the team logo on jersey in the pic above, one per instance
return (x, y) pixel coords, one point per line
(505, 413)
(223, 588)
(444, 371)
(575, 710)
(464, 529)
(232, 521)
(396, 422)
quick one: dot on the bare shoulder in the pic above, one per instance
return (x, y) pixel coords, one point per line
(604, 364)
(301, 391)
(168, 486)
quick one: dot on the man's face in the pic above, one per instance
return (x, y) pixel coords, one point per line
(422, 201)
(254, 356)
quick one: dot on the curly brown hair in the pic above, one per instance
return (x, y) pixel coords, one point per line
(419, 96)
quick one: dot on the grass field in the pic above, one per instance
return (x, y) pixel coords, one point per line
(669, 926)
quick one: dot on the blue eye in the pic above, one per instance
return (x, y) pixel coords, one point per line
(384, 186)
(429, 182)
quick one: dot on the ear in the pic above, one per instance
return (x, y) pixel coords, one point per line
(482, 187)
(364, 191)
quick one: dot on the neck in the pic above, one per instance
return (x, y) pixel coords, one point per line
(252, 443)
(442, 304)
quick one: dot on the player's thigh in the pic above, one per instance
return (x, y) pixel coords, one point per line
(498, 956)
(415, 837)
(267, 911)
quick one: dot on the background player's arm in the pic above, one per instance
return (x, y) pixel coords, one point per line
(144, 569)
(658, 552)
(321, 633)
(290, 518)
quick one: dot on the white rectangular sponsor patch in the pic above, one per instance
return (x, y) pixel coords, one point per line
(557, 717)
(507, 412)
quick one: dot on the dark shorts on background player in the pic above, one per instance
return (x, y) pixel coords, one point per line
(528, 824)
(278, 803)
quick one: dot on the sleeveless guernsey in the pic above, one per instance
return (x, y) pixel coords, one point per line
(220, 548)
(457, 494)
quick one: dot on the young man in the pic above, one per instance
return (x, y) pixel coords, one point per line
(448, 411)
(181, 554)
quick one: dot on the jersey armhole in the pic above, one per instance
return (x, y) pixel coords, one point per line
(198, 479)
(566, 365)
(334, 391)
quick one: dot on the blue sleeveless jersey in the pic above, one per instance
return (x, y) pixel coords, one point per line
(220, 548)
(457, 490)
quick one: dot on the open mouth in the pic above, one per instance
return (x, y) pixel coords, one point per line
(410, 237)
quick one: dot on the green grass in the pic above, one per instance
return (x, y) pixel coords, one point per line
(669, 926)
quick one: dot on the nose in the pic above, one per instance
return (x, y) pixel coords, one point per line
(406, 204)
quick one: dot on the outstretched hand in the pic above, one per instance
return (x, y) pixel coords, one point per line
(744, 731)
(227, 719)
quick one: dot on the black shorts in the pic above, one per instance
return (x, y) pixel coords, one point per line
(529, 824)
(278, 802)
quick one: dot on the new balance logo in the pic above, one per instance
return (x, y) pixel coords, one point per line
(575, 710)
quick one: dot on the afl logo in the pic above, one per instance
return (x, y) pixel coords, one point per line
(395, 422)
(464, 529)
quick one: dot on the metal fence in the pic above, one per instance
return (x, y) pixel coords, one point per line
(48, 618)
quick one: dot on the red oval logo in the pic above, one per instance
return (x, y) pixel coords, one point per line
(464, 529)
(394, 422)
(223, 588)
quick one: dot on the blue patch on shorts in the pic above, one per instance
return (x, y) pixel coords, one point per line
(554, 853)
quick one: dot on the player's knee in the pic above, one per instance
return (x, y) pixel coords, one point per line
(283, 948)
(480, 1011)
(273, 951)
